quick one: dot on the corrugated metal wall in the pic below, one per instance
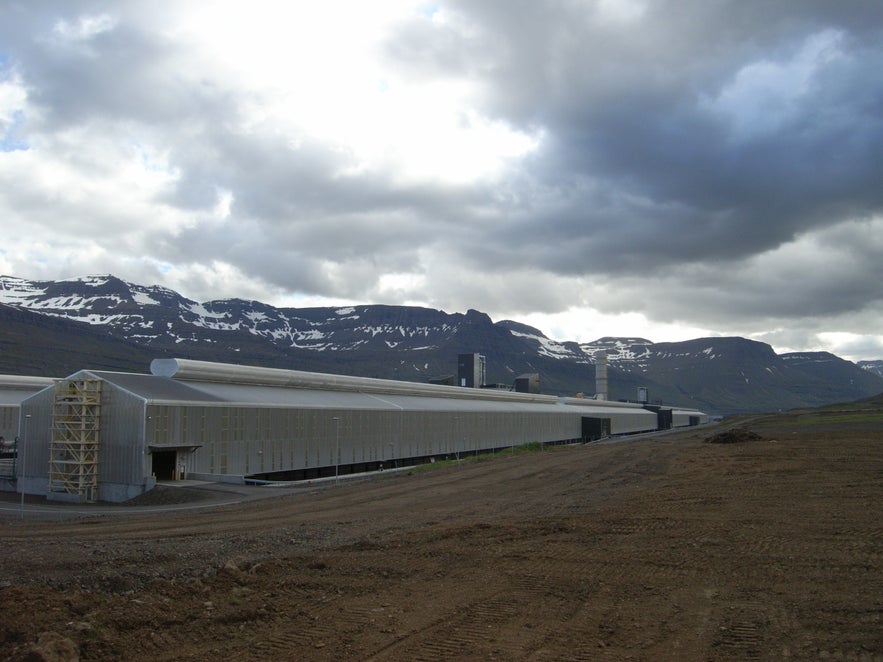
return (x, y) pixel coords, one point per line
(121, 454)
(36, 456)
(238, 441)
(252, 439)
(683, 418)
(121, 451)
(628, 421)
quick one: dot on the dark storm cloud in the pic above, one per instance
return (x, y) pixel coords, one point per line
(84, 65)
(287, 198)
(639, 107)
(290, 211)
(713, 162)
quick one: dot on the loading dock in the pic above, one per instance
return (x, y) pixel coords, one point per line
(163, 464)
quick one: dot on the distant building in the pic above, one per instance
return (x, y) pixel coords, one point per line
(14, 389)
(528, 383)
(471, 370)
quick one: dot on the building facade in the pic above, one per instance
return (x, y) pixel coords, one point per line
(110, 436)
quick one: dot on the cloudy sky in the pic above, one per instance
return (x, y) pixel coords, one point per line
(655, 168)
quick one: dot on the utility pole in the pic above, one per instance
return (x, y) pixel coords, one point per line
(23, 455)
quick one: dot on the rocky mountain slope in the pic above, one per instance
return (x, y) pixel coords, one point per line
(875, 367)
(105, 322)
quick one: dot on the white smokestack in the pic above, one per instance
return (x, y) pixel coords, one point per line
(601, 376)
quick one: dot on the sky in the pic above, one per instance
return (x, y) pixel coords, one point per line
(660, 169)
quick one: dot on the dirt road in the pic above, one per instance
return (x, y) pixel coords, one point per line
(661, 548)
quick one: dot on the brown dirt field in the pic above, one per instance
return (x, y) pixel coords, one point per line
(654, 549)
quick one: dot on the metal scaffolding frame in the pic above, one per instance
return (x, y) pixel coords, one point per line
(73, 448)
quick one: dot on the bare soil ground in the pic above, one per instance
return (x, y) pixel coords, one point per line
(657, 548)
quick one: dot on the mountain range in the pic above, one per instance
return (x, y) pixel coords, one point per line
(54, 328)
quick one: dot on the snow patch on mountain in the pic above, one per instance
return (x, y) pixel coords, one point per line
(546, 347)
(16, 291)
(144, 299)
(619, 350)
(201, 311)
(90, 281)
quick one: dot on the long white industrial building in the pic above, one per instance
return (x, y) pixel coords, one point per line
(110, 436)
(14, 389)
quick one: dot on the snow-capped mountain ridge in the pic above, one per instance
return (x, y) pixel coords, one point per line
(411, 343)
(158, 315)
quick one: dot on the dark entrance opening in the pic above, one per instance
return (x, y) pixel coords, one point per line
(664, 416)
(595, 428)
(163, 466)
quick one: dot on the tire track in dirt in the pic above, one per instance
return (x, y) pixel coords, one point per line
(652, 549)
(489, 628)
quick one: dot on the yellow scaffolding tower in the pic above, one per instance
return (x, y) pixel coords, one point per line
(73, 449)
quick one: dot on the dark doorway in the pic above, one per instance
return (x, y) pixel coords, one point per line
(595, 428)
(664, 419)
(164, 464)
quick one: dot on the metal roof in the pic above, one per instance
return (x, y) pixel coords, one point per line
(10, 397)
(225, 373)
(164, 390)
(15, 388)
(293, 389)
(26, 382)
(150, 387)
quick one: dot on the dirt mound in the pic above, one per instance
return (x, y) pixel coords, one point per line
(163, 495)
(734, 436)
